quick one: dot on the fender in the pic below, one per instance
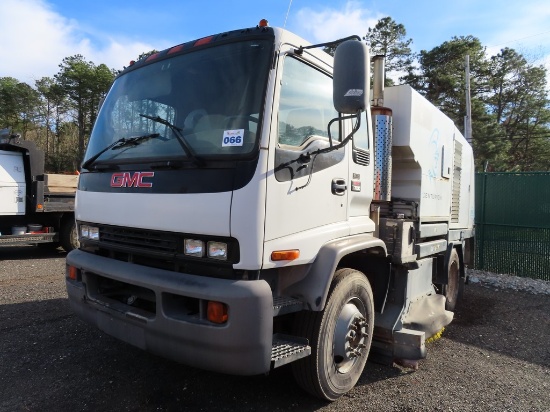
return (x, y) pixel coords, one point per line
(442, 275)
(313, 289)
(444, 272)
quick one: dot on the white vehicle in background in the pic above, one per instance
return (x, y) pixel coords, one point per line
(35, 207)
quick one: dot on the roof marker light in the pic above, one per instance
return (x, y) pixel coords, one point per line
(176, 49)
(204, 40)
(152, 57)
(263, 23)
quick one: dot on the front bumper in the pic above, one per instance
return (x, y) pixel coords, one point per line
(241, 346)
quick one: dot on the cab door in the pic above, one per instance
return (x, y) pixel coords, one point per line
(307, 194)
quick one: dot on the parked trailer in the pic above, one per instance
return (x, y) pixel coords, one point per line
(243, 205)
(35, 207)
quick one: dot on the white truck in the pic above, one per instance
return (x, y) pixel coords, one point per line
(35, 207)
(242, 205)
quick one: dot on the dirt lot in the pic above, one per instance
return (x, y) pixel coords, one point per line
(495, 356)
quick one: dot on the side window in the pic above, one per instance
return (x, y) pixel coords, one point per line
(306, 106)
(361, 137)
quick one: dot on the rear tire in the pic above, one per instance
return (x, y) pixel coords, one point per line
(340, 337)
(452, 290)
(68, 236)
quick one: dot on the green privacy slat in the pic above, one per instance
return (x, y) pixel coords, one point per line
(513, 223)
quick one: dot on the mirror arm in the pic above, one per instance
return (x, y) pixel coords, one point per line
(348, 137)
(301, 49)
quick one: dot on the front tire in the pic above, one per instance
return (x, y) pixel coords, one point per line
(340, 337)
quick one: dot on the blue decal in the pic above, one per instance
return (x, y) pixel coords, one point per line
(434, 145)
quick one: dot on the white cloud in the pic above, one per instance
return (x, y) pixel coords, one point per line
(118, 52)
(326, 24)
(35, 39)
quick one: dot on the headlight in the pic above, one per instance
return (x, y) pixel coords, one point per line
(84, 230)
(217, 250)
(89, 232)
(193, 247)
(93, 233)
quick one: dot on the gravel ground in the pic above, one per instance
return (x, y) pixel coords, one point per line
(495, 356)
(503, 281)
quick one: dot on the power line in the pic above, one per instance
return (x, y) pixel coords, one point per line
(522, 38)
(504, 138)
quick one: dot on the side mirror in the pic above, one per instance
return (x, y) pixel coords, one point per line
(351, 77)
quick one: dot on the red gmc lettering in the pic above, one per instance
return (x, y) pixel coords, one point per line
(127, 179)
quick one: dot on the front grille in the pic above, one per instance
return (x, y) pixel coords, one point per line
(152, 241)
(161, 250)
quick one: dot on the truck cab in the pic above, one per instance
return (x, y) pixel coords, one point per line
(226, 219)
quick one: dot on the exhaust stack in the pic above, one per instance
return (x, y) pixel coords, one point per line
(378, 80)
(382, 129)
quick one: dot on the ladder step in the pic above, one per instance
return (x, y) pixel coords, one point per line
(283, 305)
(286, 349)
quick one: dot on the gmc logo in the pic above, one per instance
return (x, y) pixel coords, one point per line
(127, 179)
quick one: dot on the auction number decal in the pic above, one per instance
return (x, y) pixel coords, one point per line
(233, 137)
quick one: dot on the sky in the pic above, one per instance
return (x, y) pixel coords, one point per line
(36, 35)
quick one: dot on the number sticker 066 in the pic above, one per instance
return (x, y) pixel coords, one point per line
(233, 137)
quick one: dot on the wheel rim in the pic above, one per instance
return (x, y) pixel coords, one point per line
(350, 335)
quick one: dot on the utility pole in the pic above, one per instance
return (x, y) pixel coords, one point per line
(468, 117)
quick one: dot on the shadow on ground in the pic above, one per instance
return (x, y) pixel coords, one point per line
(513, 323)
(41, 251)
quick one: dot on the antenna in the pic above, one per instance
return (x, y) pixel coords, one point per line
(287, 12)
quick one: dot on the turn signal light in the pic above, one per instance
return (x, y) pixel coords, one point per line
(72, 272)
(217, 312)
(285, 255)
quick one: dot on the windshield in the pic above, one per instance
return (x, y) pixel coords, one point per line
(211, 98)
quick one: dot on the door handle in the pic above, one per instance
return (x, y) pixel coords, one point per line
(338, 186)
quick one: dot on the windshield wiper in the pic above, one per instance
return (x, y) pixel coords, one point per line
(179, 135)
(123, 141)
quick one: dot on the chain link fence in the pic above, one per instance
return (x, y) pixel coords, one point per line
(513, 223)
